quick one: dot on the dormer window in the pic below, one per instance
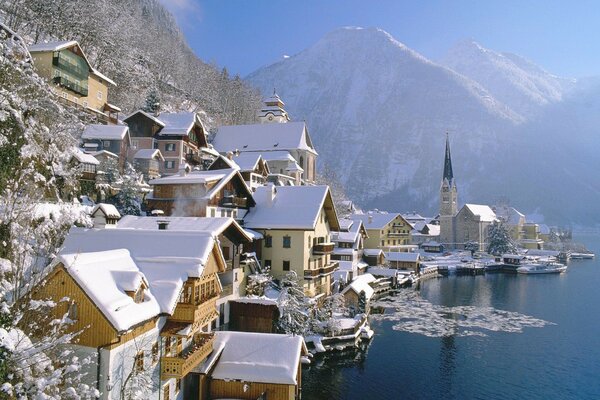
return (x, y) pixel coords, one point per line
(138, 297)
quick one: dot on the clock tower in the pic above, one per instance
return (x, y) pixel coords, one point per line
(448, 201)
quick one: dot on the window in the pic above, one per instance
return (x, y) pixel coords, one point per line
(212, 212)
(85, 103)
(286, 265)
(166, 392)
(383, 242)
(167, 346)
(107, 143)
(177, 385)
(134, 144)
(155, 353)
(73, 311)
(138, 297)
(99, 95)
(154, 144)
(75, 99)
(170, 147)
(268, 263)
(169, 164)
(287, 242)
(64, 95)
(139, 361)
(309, 241)
(268, 241)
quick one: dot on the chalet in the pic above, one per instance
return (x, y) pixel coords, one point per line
(296, 223)
(285, 146)
(424, 232)
(403, 260)
(149, 309)
(75, 80)
(180, 137)
(219, 193)
(88, 165)
(149, 162)
(385, 230)
(231, 238)
(111, 138)
(105, 216)
(348, 250)
(374, 257)
(252, 366)
(472, 223)
(253, 168)
(359, 288)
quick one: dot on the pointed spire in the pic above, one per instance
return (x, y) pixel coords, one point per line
(448, 162)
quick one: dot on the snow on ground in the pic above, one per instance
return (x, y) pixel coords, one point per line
(411, 313)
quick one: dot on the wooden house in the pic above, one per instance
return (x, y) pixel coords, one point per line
(149, 162)
(219, 193)
(74, 79)
(111, 138)
(252, 366)
(253, 168)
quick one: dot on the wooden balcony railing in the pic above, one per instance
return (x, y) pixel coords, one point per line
(198, 314)
(323, 248)
(324, 271)
(397, 234)
(180, 365)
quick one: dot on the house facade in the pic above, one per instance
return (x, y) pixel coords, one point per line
(385, 230)
(349, 249)
(74, 79)
(472, 223)
(296, 224)
(114, 139)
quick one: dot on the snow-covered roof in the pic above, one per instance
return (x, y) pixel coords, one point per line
(109, 210)
(374, 220)
(193, 177)
(413, 217)
(345, 223)
(52, 46)
(290, 207)
(263, 137)
(484, 212)
(360, 284)
(256, 357)
(84, 157)
(373, 252)
(213, 226)
(276, 156)
(247, 161)
(103, 77)
(510, 215)
(179, 123)
(105, 277)
(148, 154)
(401, 256)
(167, 258)
(381, 271)
(147, 115)
(105, 132)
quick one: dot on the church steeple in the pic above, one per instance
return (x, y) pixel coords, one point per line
(273, 110)
(448, 175)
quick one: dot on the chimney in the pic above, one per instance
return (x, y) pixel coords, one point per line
(163, 225)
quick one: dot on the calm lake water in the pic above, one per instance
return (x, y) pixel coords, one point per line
(496, 336)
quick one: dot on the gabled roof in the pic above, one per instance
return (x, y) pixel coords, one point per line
(484, 212)
(361, 284)
(166, 258)
(263, 137)
(214, 226)
(84, 158)
(179, 123)
(400, 256)
(256, 357)
(108, 210)
(148, 154)
(65, 44)
(147, 115)
(248, 161)
(105, 277)
(105, 132)
(291, 207)
(510, 215)
(374, 220)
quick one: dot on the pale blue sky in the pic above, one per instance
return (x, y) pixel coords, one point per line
(243, 35)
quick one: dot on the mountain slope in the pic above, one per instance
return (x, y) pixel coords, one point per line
(378, 110)
(512, 79)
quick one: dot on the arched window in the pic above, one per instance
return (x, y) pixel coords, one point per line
(301, 162)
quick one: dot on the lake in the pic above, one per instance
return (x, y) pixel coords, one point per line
(495, 336)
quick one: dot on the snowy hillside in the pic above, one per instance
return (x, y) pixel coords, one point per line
(377, 112)
(512, 79)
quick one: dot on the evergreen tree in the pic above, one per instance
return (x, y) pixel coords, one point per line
(472, 247)
(152, 105)
(294, 307)
(129, 197)
(499, 240)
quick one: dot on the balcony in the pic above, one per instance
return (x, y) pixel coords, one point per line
(397, 234)
(323, 248)
(73, 67)
(181, 364)
(320, 272)
(71, 85)
(193, 158)
(199, 314)
(233, 201)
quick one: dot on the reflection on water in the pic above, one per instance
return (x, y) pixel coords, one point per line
(411, 313)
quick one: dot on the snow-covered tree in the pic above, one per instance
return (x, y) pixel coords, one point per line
(327, 176)
(129, 197)
(294, 307)
(472, 247)
(152, 105)
(328, 314)
(36, 141)
(499, 240)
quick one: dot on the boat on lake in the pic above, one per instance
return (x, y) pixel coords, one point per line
(542, 268)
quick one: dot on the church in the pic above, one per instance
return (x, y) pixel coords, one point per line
(471, 223)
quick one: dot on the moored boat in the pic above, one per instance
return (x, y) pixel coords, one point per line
(546, 268)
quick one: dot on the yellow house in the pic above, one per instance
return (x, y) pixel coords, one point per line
(386, 231)
(296, 222)
(75, 80)
(530, 238)
(146, 302)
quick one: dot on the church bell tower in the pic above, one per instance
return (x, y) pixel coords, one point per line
(273, 110)
(448, 201)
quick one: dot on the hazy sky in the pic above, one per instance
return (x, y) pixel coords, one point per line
(243, 35)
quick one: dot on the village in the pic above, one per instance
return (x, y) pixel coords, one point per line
(217, 264)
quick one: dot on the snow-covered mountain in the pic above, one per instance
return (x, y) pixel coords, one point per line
(378, 112)
(517, 82)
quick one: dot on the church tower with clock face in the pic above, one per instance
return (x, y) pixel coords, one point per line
(273, 110)
(448, 201)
